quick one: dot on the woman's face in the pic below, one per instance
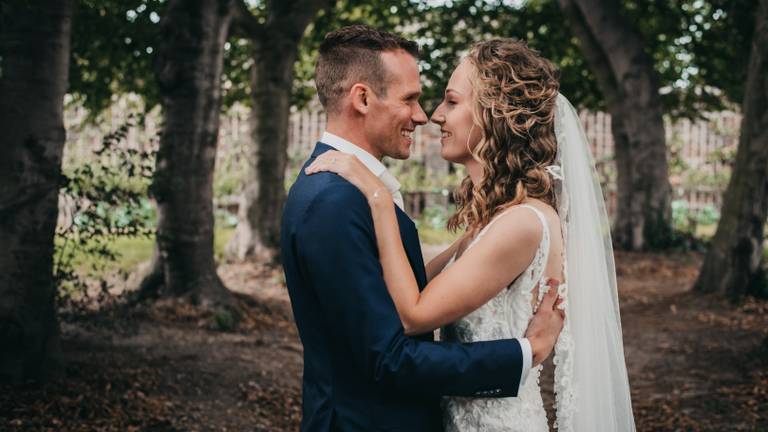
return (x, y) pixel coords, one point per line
(454, 115)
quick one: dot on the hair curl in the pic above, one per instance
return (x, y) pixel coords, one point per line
(515, 92)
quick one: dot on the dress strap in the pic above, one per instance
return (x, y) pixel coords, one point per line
(497, 217)
(541, 255)
(539, 214)
(487, 227)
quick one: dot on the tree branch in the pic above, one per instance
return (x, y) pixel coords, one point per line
(291, 18)
(245, 24)
(593, 52)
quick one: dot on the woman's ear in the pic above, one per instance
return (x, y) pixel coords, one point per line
(360, 94)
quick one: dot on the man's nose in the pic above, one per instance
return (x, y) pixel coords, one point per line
(420, 117)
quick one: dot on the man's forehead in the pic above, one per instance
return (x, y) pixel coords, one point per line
(402, 67)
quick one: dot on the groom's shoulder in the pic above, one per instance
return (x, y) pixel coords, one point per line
(327, 192)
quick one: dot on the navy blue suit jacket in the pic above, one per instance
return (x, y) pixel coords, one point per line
(361, 373)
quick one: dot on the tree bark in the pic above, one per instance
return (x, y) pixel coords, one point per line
(275, 49)
(188, 68)
(734, 262)
(625, 74)
(34, 46)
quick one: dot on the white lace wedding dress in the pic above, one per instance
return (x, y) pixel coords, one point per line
(506, 316)
(591, 384)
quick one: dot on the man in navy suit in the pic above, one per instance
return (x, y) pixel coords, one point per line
(361, 373)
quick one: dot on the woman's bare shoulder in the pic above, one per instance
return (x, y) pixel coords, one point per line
(515, 227)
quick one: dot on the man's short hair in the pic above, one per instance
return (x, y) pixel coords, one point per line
(352, 55)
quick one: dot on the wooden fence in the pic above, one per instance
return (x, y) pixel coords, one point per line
(699, 150)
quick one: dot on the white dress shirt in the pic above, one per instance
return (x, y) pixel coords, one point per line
(379, 170)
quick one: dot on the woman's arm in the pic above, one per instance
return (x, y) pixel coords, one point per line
(479, 275)
(476, 277)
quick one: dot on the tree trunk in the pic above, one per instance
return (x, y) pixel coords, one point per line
(258, 228)
(34, 46)
(275, 49)
(733, 264)
(625, 74)
(189, 68)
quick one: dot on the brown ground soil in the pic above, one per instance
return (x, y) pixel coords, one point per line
(695, 363)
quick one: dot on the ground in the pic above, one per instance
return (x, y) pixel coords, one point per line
(695, 363)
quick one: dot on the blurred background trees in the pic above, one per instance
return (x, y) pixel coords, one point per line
(274, 31)
(192, 63)
(734, 264)
(616, 53)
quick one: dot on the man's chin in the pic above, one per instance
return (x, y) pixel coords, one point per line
(401, 154)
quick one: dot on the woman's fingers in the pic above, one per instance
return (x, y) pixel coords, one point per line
(548, 301)
(329, 161)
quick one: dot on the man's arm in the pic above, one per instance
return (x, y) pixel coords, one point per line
(337, 247)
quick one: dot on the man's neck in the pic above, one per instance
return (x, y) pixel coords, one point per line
(353, 135)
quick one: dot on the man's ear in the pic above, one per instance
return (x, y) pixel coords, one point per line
(360, 95)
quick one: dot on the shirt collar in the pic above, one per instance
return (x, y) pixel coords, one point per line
(344, 146)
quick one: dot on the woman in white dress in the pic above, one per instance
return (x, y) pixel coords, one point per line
(531, 210)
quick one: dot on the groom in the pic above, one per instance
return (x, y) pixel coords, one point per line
(361, 373)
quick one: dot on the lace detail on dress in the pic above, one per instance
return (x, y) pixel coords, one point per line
(505, 316)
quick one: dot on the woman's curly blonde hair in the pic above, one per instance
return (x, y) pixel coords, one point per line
(515, 93)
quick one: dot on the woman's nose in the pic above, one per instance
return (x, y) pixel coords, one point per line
(437, 116)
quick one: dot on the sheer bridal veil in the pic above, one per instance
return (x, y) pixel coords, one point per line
(591, 385)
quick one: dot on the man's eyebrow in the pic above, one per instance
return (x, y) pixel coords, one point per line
(413, 95)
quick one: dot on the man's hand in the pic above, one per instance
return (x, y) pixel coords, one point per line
(546, 324)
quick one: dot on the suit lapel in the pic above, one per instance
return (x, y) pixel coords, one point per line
(408, 232)
(410, 237)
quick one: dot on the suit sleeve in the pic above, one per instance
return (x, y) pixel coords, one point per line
(339, 255)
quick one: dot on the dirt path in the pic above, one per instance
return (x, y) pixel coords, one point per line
(694, 363)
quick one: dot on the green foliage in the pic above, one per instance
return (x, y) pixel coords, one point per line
(432, 225)
(687, 221)
(224, 320)
(104, 200)
(449, 29)
(113, 42)
(414, 176)
(389, 15)
(676, 162)
(436, 217)
(721, 44)
(230, 170)
(433, 236)
(700, 48)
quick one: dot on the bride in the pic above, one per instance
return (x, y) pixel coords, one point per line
(532, 210)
